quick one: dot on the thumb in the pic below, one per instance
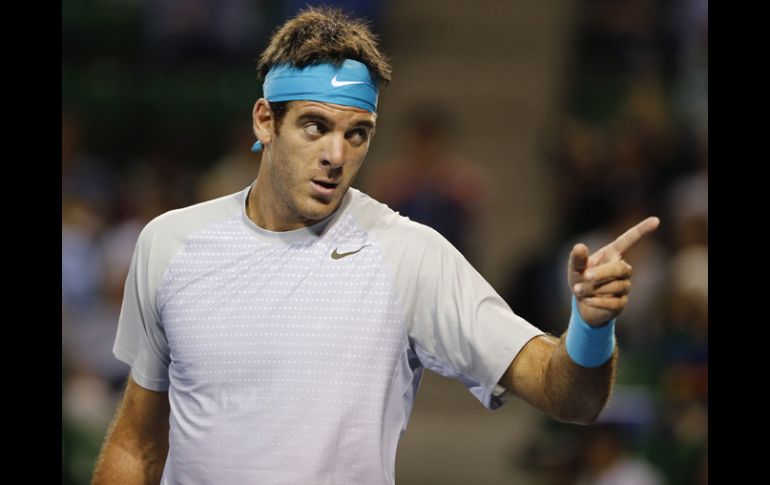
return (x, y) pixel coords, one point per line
(578, 258)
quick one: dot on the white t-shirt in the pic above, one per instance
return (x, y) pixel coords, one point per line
(294, 357)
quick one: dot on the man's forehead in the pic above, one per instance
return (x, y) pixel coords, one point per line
(331, 110)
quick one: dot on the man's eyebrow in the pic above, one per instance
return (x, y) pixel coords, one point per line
(365, 123)
(315, 116)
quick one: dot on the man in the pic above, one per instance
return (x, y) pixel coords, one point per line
(278, 335)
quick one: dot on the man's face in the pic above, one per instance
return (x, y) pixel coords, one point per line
(313, 160)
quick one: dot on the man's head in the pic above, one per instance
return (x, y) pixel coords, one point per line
(322, 73)
(322, 36)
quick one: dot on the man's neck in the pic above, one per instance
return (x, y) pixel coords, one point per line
(263, 208)
(267, 210)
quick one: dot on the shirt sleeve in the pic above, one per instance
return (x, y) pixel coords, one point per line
(141, 341)
(460, 327)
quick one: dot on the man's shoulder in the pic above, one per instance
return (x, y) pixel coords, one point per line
(180, 223)
(380, 220)
(372, 214)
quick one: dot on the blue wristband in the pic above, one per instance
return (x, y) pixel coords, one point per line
(586, 345)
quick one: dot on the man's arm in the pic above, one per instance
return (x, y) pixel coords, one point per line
(136, 445)
(544, 373)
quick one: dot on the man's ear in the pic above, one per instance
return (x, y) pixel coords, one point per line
(263, 121)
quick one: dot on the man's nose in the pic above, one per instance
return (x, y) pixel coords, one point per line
(334, 152)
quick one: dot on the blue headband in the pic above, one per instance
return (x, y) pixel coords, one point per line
(351, 84)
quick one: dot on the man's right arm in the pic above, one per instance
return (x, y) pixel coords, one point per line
(136, 445)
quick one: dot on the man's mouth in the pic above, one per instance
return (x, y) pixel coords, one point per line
(324, 188)
(326, 184)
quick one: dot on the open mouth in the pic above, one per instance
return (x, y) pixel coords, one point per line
(324, 190)
(326, 185)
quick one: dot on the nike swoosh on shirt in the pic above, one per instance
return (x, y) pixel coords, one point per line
(336, 255)
(337, 84)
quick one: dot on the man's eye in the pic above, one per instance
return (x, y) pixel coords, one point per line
(359, 135)
(313, 129)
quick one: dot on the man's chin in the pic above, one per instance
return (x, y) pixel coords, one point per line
(319, 209)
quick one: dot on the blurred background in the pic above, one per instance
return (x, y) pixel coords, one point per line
(516, 129)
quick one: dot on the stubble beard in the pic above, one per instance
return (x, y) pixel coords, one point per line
(291, 192)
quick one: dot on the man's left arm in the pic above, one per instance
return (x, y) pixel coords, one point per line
(571, 379)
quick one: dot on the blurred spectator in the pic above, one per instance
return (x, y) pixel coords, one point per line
(85, 201)
(194, 29)
(80, 266)
(531, 290)
(607, 460)
(85, 177)
(429, 183)
(235, 170)
(87, 407)
(87, 335)
(371, 10)
(581, 156)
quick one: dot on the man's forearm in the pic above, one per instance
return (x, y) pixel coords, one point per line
(119, 464)
(136, 446)
(574, 393)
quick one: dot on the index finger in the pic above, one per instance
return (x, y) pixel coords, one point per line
(633, 235)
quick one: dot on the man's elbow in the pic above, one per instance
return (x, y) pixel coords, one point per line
(585, 420)
(585, 415)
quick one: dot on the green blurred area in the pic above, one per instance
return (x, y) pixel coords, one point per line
(132, 103)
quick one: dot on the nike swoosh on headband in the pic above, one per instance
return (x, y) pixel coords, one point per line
(337, 84)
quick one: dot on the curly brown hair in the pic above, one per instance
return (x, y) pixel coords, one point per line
(324, 34)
